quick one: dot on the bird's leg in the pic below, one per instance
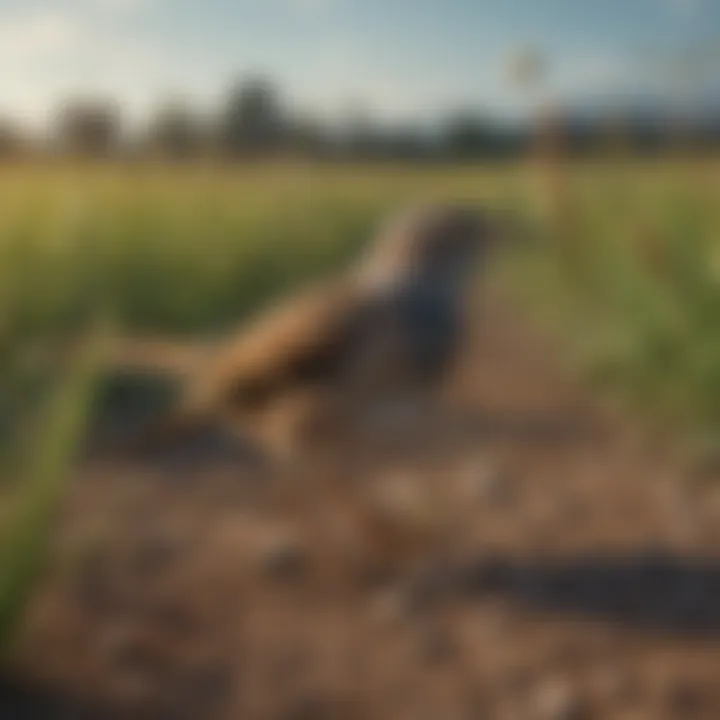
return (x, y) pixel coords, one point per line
(288, 432)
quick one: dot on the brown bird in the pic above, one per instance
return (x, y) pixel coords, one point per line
(387, 329)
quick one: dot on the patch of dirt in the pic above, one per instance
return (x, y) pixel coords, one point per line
(517, 557)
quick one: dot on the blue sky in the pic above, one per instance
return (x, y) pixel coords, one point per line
(397, 58)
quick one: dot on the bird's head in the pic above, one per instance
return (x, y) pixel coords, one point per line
(439, 245)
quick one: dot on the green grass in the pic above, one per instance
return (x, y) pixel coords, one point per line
(178, 250)
(170, 250)
(627, 270)
(630, 269)
(35, 478)
(631, 279)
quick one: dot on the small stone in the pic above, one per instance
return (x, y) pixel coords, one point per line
(686, 699)
(405, 507)
(481, 481)
(437, 645)
(116, 642)
(155, 554)
(281, 554)
(556, 700)
(402, 497)
(131, 687)
(615, 684)
(389, 606)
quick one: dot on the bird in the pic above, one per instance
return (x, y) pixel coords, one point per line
(387, 328)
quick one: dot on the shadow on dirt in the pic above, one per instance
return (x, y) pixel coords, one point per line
(654, 592)
(554, 428)
(128, 405)
(20, 700)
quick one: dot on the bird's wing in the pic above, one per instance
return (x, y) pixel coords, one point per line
(305, 340)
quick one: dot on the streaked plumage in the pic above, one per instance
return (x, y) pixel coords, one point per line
(388, 327)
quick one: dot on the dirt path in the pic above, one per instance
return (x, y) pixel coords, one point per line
(524, 560)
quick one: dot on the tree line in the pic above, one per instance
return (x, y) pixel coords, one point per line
(255, 123)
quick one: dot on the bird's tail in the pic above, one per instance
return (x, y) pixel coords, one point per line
(157, 356)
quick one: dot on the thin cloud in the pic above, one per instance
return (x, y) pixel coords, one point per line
(48, 56)
(312, 7)
(38, 36)
(120, 7)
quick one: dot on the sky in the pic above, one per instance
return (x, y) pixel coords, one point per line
(396, 59)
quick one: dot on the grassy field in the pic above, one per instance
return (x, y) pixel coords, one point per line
(186, 249)
(152, 250)
(626, 268)
(629, 266)
(630, 276)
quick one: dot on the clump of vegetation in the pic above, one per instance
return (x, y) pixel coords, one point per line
(183, 251)
(37, 460)
(633, 283)
(630, 274)
(159, 250)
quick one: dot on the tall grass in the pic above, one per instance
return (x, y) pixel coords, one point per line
(630, 274)
(160, 250)
(35, 476)
(634, 286)
(186, 250)
(631, 267)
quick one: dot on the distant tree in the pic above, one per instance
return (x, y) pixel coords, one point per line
(408, 143)
(361, 137)
(175, 131)
(688, 74)
(90, 127)
(308, 138)
(13, 141)
(470, 136)
(253, 121)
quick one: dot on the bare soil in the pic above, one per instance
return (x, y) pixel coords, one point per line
(518, 555)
